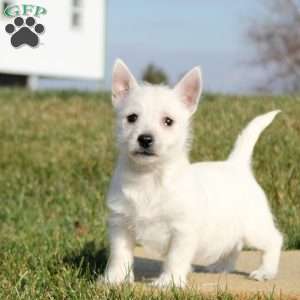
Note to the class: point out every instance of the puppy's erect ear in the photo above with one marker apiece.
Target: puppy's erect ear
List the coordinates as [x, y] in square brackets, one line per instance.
[122, 82]
[189, 88]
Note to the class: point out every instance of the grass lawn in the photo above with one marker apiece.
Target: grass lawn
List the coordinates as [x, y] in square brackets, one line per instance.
[56, 158]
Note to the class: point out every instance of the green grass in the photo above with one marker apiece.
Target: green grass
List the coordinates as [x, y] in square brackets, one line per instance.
[56, 158]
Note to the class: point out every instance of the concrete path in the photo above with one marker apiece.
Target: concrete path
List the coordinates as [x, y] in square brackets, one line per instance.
[287, 281]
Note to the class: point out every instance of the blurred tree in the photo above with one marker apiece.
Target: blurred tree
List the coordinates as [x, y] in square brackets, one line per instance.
[276, 36]
[155, 75]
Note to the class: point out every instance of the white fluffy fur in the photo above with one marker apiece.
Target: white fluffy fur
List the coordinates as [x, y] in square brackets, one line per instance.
[201, 213]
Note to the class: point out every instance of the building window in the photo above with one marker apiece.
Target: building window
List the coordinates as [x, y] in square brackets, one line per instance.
[77, 3]
[75, 20]
[76, 14]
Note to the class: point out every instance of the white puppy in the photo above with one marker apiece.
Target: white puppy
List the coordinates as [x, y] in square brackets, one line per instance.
[189, 213]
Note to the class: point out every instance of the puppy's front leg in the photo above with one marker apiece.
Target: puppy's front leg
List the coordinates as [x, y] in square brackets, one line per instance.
[178, 261]
[119, 267]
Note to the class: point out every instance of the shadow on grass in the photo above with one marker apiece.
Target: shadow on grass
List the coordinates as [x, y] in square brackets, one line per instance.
[201, 269]
[89, 262]
[146, 269]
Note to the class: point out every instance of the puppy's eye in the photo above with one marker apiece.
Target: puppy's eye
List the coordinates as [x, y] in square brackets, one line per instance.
[132, 118]
[168, 121]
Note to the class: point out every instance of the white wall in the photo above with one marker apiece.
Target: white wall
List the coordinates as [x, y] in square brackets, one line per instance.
[63, 51]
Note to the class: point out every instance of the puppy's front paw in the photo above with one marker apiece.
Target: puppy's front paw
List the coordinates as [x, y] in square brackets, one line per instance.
[261, 275]
[116, 276]
[168, 280]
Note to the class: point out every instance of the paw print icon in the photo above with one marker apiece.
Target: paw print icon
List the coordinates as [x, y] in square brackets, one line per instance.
[24, 32]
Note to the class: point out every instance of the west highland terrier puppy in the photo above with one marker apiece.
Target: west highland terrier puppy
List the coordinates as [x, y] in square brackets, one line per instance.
[200, 213]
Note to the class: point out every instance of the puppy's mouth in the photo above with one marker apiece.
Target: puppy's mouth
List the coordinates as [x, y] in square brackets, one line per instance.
[144, 153]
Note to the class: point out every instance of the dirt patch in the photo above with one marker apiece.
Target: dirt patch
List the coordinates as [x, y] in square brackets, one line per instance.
[287, 281]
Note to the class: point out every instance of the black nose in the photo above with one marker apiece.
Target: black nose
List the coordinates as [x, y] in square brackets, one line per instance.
[145, 140]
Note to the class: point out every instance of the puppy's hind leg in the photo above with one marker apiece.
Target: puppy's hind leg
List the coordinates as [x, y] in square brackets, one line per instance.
[270, 244]
[178, 261]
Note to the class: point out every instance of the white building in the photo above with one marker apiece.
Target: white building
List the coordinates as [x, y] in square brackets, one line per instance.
[71, 47]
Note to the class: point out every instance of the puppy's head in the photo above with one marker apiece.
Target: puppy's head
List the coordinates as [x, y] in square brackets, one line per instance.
[153, 121]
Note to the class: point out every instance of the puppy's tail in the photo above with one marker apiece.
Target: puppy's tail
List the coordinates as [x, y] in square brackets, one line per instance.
[244, 145]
